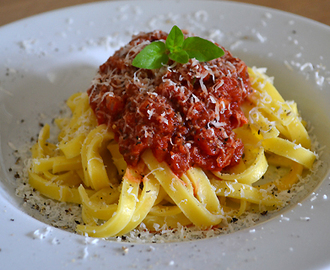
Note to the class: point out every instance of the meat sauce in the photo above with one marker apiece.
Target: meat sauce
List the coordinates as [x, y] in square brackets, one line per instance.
[185, 113]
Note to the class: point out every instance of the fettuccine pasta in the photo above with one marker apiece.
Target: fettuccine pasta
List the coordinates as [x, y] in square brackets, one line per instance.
[86, 167]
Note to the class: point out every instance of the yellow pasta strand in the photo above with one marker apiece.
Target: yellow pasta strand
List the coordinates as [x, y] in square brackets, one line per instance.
[87, 218]
[155, 223]
[188, 204]
[43, 136]
[124, 213]
[56, 164]
[204, 191]
[161, 196]
[249, 134]
[242, 208]
[93, 165]
[262, 123]
[43, 148]
[275, 106]
[72, 147]
[262, 82]
[287, 181]
[298, 133]
[290, 150]
[242, 191]
[252, 174]
[97, 208]
[74, 131]
[70, 178]
[165, 210]
[54, 191]
[117, 158]
[146, 200]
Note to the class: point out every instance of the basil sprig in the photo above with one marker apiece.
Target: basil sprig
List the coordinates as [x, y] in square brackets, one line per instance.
[177, 48]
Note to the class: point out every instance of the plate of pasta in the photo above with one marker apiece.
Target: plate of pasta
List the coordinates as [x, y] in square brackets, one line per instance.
[140, 134]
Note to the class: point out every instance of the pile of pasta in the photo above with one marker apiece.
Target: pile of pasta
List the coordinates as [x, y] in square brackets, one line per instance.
[86, 167]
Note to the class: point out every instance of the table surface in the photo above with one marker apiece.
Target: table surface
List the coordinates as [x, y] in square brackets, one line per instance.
[12, 10]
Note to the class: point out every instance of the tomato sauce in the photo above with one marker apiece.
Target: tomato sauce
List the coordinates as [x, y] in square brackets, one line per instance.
[185, 113]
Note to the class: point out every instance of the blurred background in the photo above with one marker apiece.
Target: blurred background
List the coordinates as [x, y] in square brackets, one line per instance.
[12, 10]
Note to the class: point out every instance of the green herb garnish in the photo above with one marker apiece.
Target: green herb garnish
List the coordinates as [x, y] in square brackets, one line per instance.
[177, 48]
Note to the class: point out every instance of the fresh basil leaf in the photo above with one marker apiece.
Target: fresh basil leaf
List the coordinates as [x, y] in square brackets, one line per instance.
[174, 39]
[177, 48]
[201, 49]
[181, 57]
[152, 56]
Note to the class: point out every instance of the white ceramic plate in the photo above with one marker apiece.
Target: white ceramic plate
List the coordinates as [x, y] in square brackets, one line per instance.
[46, 58]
